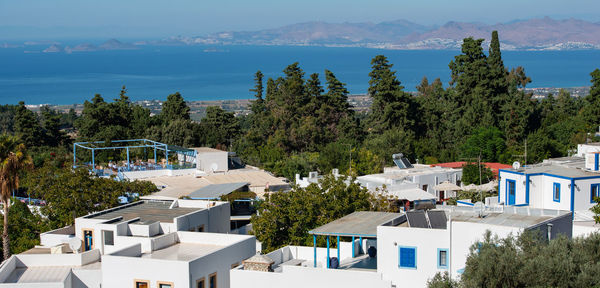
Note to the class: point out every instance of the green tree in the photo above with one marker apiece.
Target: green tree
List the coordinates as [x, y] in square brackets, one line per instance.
[591, 108]
[442, 280]
[219, 127]
[74, 193]
[24, 228]
[27, 126]
[471, 174]
[286, 218]
[487, 142]
[391, 107]
[175, 108]
[13, 161]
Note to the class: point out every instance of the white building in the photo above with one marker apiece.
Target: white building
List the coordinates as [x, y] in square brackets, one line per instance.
[420, 176]
[211, 160]
[411, 248]
[567, 183]
[143, 244]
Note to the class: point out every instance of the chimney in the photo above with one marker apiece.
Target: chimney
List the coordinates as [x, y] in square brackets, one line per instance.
[259, 263]
[592, 161]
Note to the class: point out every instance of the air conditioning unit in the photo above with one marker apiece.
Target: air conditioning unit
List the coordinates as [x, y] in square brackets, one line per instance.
[313, 175]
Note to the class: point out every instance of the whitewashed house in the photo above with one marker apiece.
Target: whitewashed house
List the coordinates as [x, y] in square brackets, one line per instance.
[410, 247]
[567, 183]
[146, 244]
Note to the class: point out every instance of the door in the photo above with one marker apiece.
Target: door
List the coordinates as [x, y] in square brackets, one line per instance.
[511, 191]
[88, 240]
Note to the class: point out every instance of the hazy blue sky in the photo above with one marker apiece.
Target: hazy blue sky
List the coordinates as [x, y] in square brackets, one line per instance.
[160, 18]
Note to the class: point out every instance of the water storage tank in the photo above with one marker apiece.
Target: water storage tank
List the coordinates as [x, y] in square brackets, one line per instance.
[334, 263]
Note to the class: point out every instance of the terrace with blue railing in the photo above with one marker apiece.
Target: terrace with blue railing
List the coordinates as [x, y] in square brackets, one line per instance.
[118, 157]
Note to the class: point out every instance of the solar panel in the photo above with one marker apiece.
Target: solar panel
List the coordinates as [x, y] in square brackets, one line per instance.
[437, 219]
[417, 219]
[401, 161]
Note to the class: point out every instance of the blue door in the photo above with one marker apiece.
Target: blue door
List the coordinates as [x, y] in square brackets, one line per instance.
[511, 191]
[88, 240]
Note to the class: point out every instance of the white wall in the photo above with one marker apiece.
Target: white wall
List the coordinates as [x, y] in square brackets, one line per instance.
[153, 270]
[520, 193]
[205, 161]
[222, 260]
[302, 277]
[582, 195]
[427, 242]
[133, 175]
[181, 273]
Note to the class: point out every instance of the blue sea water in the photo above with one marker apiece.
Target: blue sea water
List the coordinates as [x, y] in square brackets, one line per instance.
[226, 72]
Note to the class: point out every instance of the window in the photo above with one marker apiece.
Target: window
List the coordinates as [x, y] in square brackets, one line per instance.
[212, 280]
[594, 192]
[200, 283]
[108, 236]
[88, 239]
[160, 284]
[442, 256]
[141, 284]
[408, 257]
[425, 187]
[556, 192]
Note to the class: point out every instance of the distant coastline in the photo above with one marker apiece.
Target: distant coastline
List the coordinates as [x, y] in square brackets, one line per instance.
[360, 102]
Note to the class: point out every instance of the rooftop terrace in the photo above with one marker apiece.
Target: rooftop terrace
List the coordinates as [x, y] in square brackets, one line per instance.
[147, 211]
[555, 169]
[183, 252]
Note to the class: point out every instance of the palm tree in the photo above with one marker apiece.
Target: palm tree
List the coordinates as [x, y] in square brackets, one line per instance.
[12, 161]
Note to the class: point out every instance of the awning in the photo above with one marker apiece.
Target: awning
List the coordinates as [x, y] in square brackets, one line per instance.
[446, 186]
[361, 224]
[412, 194]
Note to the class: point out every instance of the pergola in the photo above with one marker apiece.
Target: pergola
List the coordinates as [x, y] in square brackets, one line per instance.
[361, 224]
[128, 144]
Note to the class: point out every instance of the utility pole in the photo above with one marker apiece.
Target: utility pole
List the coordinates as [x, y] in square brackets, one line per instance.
[524, 155]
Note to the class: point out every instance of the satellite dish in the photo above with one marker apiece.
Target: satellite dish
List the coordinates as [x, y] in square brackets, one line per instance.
[214, 167]
[516, 165]
[75, 244]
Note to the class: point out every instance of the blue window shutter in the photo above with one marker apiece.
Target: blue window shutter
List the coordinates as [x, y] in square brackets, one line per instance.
[408, 257]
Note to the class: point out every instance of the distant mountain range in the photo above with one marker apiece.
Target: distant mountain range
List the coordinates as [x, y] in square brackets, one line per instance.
[533, 34]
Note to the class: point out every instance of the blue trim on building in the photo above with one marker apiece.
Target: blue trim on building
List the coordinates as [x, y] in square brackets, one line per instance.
[439, 259]
[556, 185]
[521, 205]
[592, 196]
[548, 174]
[414, 249]
[596, 161]
[465, 203]
[572, 199]
[527, 189]
[507, 194]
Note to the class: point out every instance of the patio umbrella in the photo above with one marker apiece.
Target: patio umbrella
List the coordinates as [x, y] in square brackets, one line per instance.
[446, 186]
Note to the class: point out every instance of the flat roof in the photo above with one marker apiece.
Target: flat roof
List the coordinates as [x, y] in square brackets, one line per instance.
[147, 211]
[361, 223]
[558, 170]
[213, 191]
[43, 274]
[521, 217]
[207, 149]
[182, 252]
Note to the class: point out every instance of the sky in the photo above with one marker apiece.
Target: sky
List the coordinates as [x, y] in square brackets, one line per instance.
[87, 19]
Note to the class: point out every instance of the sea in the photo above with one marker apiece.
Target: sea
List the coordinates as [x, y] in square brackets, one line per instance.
[226, 72]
